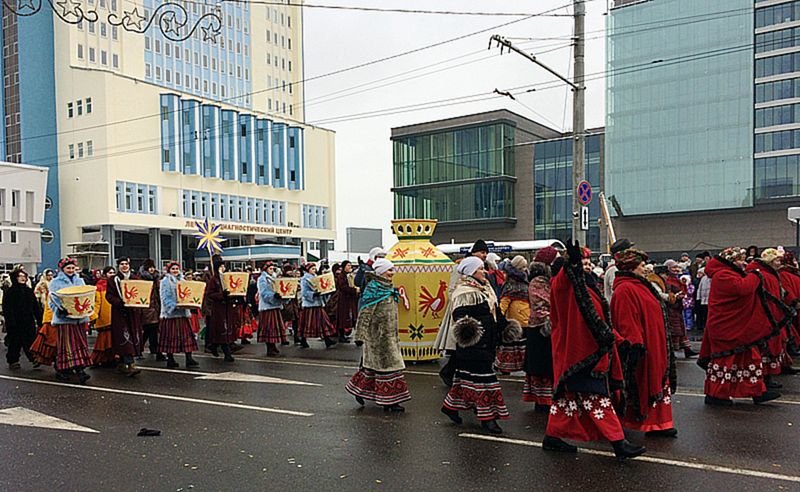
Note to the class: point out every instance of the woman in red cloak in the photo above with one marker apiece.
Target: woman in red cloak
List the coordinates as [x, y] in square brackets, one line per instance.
[585, 362]
[774, 355]
[738, 327]
[790, 279]
[647, 359]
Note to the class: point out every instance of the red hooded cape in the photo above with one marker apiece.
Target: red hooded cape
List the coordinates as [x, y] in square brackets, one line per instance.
[790, 279]
[640, 319]
[580, 334]
[773, 291]
[737, 318]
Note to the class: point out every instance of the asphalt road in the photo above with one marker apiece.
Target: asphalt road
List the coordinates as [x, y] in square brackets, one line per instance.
[223, 434]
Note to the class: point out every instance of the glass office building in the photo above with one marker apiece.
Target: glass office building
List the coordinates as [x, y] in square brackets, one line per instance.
[552, 167]
[680, 91]
[456, 175]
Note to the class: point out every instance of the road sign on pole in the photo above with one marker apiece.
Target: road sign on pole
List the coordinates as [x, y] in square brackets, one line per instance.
[584, 218]
[584, 191]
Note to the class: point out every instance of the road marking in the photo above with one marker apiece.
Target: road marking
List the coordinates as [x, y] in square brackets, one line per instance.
[25, 417]
[231, 376]
[648, 459]
[163, 397]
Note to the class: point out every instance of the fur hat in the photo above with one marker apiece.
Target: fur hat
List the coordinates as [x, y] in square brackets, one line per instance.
[621, 245]
[546, 255]
[519, 262]
[771, 254]
[630, 259]
[376, 252]
[480, 245]
[512, 332]
[467, 331]
[148, 263]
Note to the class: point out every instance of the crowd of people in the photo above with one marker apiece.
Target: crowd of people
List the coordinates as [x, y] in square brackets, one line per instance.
[597, 346]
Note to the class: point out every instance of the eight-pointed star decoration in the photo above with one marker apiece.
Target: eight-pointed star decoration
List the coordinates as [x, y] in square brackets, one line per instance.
[209, 33]
[170, 24]
[70, 7]
[133, 18]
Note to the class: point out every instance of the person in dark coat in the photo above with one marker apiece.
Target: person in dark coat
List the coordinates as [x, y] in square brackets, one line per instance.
[150, 315]
[23, 315]
[347, 307]
[126, 322]
[222, 328]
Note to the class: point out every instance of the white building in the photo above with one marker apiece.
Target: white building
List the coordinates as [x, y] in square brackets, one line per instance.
[22, 205]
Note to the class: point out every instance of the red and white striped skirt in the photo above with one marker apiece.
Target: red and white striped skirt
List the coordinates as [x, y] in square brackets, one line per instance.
[175, 336]
[72, 351]
[384, 388]
[314, 323]
[270, 326]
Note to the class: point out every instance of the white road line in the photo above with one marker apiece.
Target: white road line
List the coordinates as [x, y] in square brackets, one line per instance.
[232, 376]
[649, 459]
[162, 397]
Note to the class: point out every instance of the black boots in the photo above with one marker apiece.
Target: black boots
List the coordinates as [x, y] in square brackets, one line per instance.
[718, 402]
[623, 449]
[688, 353]
[766, 396]
[171, 363]
[82, 376]
[491, 426]
[360, 400]
[397, 408]
[329, 342]
[453, 415]
[771, 383]
[272, 350]
[226, 349]
[555, 444]
[304, 343]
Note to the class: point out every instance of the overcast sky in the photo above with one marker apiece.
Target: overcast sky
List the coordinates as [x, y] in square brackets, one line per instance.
[336, 39]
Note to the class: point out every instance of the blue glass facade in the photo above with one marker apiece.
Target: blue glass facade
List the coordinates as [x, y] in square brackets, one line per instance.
[679, 126]
[219, 71]
[203, 139]
[552, 201]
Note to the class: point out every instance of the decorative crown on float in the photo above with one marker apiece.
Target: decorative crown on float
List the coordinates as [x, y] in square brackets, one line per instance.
[415, 245]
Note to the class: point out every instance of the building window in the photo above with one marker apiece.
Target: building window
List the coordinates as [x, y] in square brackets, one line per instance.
[89, 148]
[158, 46]
[147, 43]
[91, 53]
[118, 190]
[71, 151]
[151, 200]
[91, 27]
[80, 150]
[13, 236]
[158, 72]
[115, 60]
[103, 57]
[88, 105]
[114, 33]
[147, 70]
[140, 199]
[69, 110]
[103, 29]
[80, 52]
[168, 49]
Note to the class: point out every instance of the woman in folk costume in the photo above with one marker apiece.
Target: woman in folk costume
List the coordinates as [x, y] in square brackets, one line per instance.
[648, 362]
[738, 326]
[585, 363]
[347, 307]
[150, 314]
[677, 292]
[314, 322]
[222, 329]
[538, 387]
[478, 327]
[72, 352]
[175, 331]
[126, 322]
[514, 304]
[102, 352]
[44, 345]
[790, 279]
[380, 375]
[291, 307]
[23, 315]
[779, 316]
[270, 322]
[42, 289]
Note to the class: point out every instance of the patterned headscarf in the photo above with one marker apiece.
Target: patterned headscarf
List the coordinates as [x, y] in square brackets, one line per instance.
[67, 261]
[630, 258]
[733, 253]
[771, 254]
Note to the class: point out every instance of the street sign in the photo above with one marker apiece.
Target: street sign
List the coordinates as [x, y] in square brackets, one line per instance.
[584, 218]
[584, 193]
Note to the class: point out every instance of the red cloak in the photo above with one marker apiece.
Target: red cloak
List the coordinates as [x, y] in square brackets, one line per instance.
[773, 294]
[737, 319]
[641, 321]
[790, 279]
[580, 334]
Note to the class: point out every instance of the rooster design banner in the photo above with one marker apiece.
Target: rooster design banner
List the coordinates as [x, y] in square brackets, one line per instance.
[235, 283]
[286, 287]
[136, 293]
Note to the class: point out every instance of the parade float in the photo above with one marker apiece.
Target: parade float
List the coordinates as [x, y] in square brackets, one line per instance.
[422, 275]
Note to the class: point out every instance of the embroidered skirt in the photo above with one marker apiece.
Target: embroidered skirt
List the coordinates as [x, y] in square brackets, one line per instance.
[102, 352]
[44, 347]
[72, 350]
[270, 326]
[475, 387]
[659, 415]
[736, 376]
[314, 323]
[175, 336]
[583, 417]
[538, 389]
[384, 388]
[511, 356]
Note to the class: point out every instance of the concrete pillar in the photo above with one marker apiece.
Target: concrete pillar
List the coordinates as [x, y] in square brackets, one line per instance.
[107, 231]
[323, 249]
[154, 238]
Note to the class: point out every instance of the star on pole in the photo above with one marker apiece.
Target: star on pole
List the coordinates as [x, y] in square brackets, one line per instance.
[209, 33]
[209, 236]
[69, 7]
[134, 18]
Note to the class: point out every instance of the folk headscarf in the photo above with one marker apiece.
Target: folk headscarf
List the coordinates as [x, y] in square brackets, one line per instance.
[630, 258]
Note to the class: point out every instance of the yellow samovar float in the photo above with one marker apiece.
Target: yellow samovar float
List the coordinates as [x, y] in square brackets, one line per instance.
[422, 276]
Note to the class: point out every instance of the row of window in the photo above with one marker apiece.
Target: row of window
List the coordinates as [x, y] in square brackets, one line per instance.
[315, 217]
[83, 150]
[112, 4]
[169, 49]
[778, 115]
[186, 80]
[273, 59]
[286, 42]
[103, 56]
[774, 91]
[103, 29]
[137, 198]
[276, 17]
[783, 140]
[12, 236]
[76, 109]
[202, 205]
[777, 176]
[778, 14]
[471, 201]
[278, 107]
[776, 40]
[777, 65]
[199, 60]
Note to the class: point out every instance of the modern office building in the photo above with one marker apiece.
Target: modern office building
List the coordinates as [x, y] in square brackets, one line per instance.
[474, 174]
[144, 135]
[22, 209]
[702, 130]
